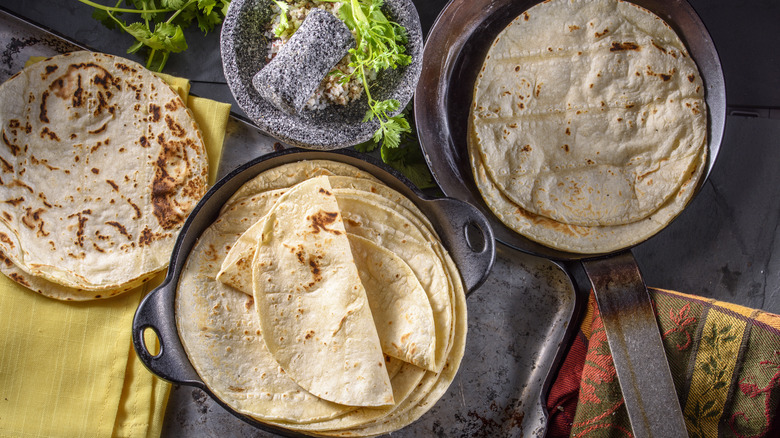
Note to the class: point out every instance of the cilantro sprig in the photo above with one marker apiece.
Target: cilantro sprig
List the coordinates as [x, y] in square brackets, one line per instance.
[379, 44]
[284, 22]
[407, 157]
[158, 25]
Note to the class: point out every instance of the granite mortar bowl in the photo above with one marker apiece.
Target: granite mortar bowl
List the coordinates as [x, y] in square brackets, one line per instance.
[463, 230]
[244, 48]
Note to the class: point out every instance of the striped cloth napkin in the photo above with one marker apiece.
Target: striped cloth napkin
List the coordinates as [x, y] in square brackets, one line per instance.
[68, 369]
[724, 359]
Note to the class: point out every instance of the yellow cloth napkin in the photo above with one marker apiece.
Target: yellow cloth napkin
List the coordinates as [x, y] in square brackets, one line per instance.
[68, 369]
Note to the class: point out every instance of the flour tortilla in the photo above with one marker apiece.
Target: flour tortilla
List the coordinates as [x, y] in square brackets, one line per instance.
[221, 334]
[399, 304]
[413, 387]
[577, 238]
[60, 292]
[589, 112]
[313, 307]
[379, 214]
[100, 165]
[287, 175]
[252, 206]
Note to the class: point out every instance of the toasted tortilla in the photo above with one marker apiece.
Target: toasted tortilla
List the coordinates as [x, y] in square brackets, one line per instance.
[129, 164]
[220, 331]
[221, 334]
[578, 238]
[60, 292]
[588, 113]
[414, 243]
[313, 307]
[399, 304]
[389, 220]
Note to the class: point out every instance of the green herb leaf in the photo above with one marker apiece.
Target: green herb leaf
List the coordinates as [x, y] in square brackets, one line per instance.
[207, 23]
[173, 4]
[141, 32]
[407, 156]
[391, 131]
[379, 45]
[284, 21]
[168, 18]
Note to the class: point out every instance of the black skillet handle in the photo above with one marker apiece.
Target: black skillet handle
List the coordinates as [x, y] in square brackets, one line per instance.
[156, 312]
[637, 350]
[468, 237]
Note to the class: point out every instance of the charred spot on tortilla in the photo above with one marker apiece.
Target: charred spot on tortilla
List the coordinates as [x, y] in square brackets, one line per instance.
[321, 220]
[154, 110]
[617, 47]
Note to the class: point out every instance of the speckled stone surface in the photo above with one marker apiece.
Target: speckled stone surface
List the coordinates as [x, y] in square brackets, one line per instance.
[243, 49]
[319, 44]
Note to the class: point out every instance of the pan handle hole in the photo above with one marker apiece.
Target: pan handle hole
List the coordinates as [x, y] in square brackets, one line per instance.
[475, 237]
[151, 341]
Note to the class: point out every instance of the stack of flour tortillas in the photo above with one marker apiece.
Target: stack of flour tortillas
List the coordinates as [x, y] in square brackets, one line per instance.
[321, 300]
[101, 163]
[588, 126]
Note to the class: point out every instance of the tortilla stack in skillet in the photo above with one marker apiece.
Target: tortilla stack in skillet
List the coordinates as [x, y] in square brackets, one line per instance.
[374, 217]
[588, 126]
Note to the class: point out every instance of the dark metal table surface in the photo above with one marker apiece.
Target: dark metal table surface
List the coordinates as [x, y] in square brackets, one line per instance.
[725, 245]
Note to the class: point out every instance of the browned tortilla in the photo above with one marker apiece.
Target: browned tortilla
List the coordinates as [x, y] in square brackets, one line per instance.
[100, 164]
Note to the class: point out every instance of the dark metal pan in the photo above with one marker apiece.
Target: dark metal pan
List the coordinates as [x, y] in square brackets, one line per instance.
[453, 54]
[463, 229]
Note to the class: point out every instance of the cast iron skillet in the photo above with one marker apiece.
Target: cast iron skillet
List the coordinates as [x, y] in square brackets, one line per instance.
[453, 54]
[463, 229]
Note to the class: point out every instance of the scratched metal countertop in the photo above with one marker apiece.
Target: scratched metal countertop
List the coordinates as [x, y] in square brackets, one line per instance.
[725, 245]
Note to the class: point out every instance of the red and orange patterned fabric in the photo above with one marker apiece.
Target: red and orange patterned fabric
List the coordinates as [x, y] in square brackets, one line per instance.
[725, 362]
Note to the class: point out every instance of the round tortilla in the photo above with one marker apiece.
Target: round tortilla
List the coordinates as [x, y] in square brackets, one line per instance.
[578, 238]
[312, 304]
[58, 291]
[589, 113]
[287, 175]
[129, 164]
[221, 334]
[375, 206]
[372, 210]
